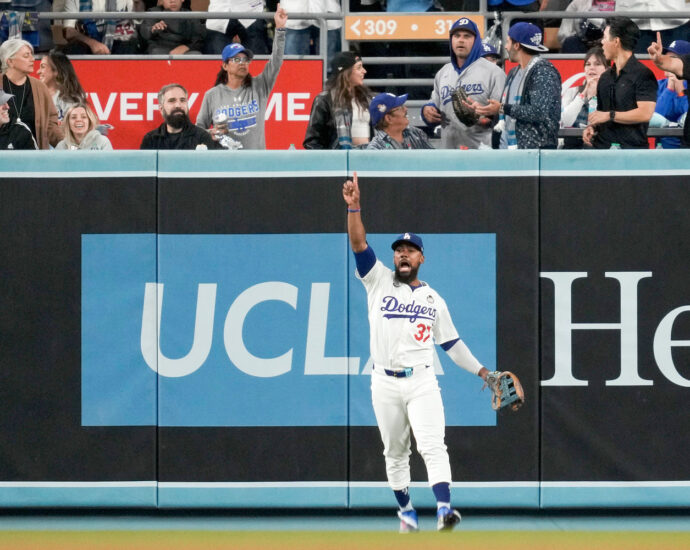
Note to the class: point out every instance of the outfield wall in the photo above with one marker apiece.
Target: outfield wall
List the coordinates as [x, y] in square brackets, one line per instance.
[185, 329]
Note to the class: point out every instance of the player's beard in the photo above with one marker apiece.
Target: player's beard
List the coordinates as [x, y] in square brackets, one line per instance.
[408, 277]
[176, 119]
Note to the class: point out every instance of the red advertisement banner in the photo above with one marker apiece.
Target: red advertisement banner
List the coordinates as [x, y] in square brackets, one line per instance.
[124, 93]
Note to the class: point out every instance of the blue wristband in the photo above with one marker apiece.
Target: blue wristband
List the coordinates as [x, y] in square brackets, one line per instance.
[354, 209]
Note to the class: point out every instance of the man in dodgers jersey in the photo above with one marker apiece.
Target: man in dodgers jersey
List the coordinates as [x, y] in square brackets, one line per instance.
[480, 78]
[406, 319]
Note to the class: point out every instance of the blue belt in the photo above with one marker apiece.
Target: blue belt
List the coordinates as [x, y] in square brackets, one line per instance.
[404, 373]
[400, 373]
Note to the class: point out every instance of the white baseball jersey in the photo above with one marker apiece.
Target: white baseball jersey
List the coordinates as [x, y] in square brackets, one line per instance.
[404, 323]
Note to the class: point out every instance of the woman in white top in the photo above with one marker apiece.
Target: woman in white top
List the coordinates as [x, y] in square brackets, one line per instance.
[80, 131]
[57, 73]
[577, 102]
[340, 114]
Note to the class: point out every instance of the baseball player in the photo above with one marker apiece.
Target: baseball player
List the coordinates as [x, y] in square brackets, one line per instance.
[406, 318]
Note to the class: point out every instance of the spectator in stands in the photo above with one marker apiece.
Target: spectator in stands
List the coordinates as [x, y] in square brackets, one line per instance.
[339, 116]
[57, 73]
[177, 131]
[552, 25]
[490, 54]
[252, 33]
[481, 80]
[35, 31]
[239, 98]
[671, 29]
[672, 100]
[580, 35]
[81, 132]
[578, 101]
[98, 36]
[679, 66]
[303, 34]
[389, 117]
[13, 134]
[31, 103]
[626, 93]
[172, 36]
[530, 107]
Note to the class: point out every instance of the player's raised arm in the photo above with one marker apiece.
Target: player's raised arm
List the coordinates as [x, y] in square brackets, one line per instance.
[355, 227]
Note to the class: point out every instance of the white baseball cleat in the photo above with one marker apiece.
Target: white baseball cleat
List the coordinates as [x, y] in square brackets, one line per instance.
[447, 518]
[408, 521]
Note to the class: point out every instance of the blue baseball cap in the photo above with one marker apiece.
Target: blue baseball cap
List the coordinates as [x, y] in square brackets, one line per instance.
[488, 49]
[232, 50]
[411, 238]
[528, 35]
[384, 103]
[678, 47]
[464, 24]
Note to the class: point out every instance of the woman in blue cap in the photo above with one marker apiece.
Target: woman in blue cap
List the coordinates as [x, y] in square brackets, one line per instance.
[238, 100]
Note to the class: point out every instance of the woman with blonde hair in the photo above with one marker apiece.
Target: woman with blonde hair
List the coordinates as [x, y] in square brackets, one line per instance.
[80, 131]
[339, 117]
[31, 104]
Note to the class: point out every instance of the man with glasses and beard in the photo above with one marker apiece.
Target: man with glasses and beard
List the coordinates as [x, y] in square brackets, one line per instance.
[177, 132]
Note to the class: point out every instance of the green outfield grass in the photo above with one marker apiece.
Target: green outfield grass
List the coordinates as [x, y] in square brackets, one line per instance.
[308, 540]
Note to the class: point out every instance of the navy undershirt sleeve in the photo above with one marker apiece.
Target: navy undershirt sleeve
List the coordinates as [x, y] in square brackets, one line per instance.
[447, 345]
[365, 260]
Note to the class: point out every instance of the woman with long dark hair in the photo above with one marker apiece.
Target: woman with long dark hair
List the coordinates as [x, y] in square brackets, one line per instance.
[577, 102]
[57, 73]
[339, 117]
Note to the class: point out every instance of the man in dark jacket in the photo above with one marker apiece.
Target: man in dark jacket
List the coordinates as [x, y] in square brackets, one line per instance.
[13, 134]
[530, 108]
[177, 132]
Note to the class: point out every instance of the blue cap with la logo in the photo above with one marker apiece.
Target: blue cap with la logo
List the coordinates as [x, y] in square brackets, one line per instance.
[411, 238]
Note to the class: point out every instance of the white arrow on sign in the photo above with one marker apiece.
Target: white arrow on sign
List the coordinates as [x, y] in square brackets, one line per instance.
[355, 27]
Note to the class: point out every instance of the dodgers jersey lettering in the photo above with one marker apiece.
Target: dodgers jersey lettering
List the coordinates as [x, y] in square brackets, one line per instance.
[404, 323]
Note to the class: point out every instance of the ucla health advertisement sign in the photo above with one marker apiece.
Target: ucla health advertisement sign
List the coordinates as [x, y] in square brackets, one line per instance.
[260, 330]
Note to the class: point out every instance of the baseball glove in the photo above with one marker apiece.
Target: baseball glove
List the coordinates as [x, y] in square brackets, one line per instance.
[506, 390]
[465, 115]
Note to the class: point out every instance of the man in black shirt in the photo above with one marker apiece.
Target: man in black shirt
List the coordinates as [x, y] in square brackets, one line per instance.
[626, 93]
[678, 65]
[177, 132]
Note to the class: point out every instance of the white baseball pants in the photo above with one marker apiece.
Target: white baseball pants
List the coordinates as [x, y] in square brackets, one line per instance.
[413, 402]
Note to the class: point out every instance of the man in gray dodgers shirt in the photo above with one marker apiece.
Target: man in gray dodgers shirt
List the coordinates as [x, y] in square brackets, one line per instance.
[241, 97]
[481, 79]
